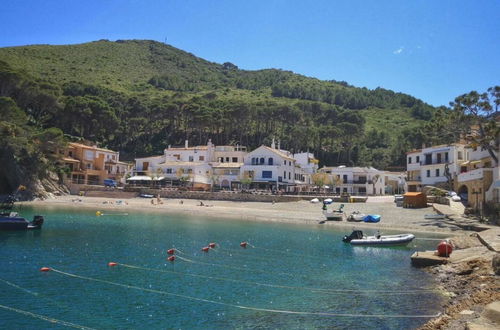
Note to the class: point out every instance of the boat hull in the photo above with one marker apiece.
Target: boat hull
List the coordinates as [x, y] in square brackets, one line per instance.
[19, 223]
[389, 240]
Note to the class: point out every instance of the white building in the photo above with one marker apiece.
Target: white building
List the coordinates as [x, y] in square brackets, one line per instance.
[269, 168]
[199, 166]
[427, 166]
[355, 180]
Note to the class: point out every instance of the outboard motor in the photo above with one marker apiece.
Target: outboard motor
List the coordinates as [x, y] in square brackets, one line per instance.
[37, 221]
[356, 234]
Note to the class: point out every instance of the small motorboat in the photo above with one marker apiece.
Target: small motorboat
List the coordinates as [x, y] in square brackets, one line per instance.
[10, 220]
[13, 221]
[357, 238]
[356, 216]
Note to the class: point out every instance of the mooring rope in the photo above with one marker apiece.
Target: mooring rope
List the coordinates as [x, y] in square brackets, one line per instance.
[39, 295]
[237, 268]
[46, 318]
[242, 306]
[331, 291]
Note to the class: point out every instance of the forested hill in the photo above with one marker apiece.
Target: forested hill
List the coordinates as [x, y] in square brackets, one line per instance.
[140, 96]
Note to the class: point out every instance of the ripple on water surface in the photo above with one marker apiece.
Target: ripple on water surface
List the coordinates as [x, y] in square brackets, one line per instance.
[294, 268]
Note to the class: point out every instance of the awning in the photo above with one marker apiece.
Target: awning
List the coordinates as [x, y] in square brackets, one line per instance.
[139, 178]
[159, 178]
[475, 162]
[465, 163]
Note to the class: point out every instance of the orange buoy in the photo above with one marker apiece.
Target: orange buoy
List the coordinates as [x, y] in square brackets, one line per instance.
[171, 258]
[243, 244]
[211, 245]
[205, 249]
[444, 249]
[112, 264]
[44, 269]
[171, 251]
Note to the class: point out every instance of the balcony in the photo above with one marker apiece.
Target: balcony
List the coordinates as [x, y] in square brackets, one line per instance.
[472, 175]
[435, 162]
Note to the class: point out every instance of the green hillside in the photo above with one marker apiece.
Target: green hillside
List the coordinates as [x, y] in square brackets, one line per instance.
[139, 96]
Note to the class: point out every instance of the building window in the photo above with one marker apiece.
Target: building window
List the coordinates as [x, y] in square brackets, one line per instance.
[284, 162]
[428, 173]
[267, 174]
[289, 175]
[227, 159]
[437, 171]
[262, 160]
[190, 170]
[417, 160]
[270, 161]
[191, 158]
[201, 158]
[460, 155]
[168, 171]
[253, 160]
[235, 159]
[344, 178]
[409, 160]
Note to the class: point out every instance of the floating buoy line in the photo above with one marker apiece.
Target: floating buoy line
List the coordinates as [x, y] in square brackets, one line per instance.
[46, 318]
[100, 214]
[328, 291]
[246, 269]
[241, 306]
[39, 295]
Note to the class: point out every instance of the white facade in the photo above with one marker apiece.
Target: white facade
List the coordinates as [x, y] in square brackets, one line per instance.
[356, 180]
[426, 167]
[196, 164]
[270, 167]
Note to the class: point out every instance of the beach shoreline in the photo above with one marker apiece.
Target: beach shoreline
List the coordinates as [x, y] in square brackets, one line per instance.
[301, 212]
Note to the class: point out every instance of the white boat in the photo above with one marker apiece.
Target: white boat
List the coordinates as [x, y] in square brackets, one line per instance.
[356, 216]
[334, 215]
[357, 238]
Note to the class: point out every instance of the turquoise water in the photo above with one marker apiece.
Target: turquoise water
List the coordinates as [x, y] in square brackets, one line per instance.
[203, 290]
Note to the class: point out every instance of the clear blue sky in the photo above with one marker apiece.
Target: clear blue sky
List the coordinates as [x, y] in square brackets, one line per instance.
[434, 50]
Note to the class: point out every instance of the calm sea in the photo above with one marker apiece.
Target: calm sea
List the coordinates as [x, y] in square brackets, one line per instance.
[289, 276]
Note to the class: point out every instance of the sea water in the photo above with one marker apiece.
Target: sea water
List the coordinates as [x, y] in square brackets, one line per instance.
[289, 276]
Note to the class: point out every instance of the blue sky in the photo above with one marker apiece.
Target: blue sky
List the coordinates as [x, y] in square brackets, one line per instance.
[434, 50]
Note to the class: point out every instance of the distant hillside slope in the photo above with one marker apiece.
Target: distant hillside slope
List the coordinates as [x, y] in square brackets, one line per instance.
[138, 96]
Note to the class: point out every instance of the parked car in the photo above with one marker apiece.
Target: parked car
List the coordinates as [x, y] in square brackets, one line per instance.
[110, 183]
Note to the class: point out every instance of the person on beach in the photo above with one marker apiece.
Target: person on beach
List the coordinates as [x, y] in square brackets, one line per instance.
[158, 199]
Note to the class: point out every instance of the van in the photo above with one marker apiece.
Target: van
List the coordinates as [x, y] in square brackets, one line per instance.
[110, 183]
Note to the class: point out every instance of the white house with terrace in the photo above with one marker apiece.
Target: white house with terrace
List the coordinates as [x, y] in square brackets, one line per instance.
[355, 180]
[429, 166]
[199, 166]
[269, 168]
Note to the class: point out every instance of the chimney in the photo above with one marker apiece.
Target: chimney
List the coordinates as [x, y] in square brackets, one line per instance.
[186, 144]
[273, 145]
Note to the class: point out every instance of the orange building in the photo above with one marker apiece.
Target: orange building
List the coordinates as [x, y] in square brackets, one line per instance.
[92, 165]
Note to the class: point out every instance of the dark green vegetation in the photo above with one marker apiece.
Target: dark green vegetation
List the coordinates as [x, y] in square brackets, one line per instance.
[140, 96]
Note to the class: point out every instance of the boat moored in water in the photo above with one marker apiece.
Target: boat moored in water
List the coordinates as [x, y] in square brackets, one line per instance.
[10, 220]
[357, 238]
[13, 221]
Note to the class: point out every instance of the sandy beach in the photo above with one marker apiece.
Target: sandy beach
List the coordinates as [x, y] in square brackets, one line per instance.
[301, 212]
